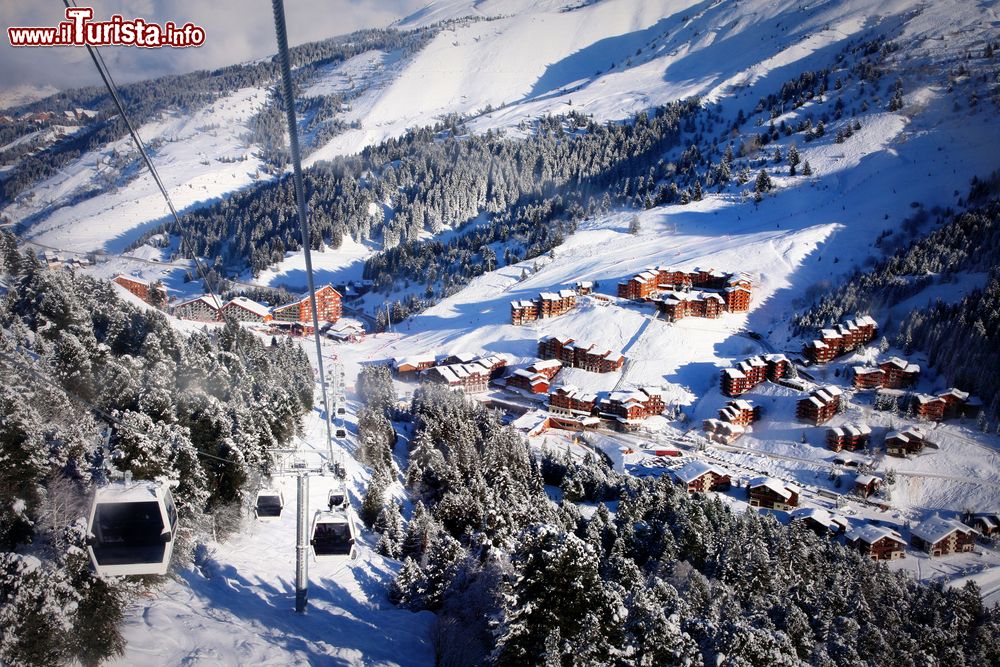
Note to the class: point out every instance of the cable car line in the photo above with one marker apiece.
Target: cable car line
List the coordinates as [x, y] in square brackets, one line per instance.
[109, 83]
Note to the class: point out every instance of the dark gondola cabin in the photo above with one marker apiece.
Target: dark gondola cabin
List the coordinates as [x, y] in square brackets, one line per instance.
[132, 529]
[333, 536]
[269, 504]
[337, 498]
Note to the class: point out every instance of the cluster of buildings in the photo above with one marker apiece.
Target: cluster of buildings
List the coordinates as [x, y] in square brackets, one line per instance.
[675, 296]
[841, 339]
[466, 371]
[894, 373]
[58, 261]
[208, 308]
[548, 304]
[820, 405]
[747, 374]
[536, 378]
[936, 536]
[624, 409]
[951, 404]
[851, 436]
[906, 442]
[574, 354]
[733, 421]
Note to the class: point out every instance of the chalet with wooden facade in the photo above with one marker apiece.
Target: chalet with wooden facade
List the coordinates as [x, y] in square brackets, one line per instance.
[939, 536]
[820, 405]
[569, 400]
[987, 523]
[899, 373]
[329, 307]
[574, 354]
[523, 311]
[678, 305]
[820, 521]
[525, 380]
[876, 542]
[850, 436]
[548, 304]
[866, 485]
[750, 372]
[867, 377]
[584, 287]
[410, 367]
[243, 309]
[630, 407]
[723, 432]
[841, 339]
[906, 442]
[770, 493]
[205, 308]
[740, 411]
[700, 477]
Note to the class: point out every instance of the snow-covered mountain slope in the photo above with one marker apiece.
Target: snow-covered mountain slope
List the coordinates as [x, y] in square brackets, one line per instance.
[614, 58]
[607, 59]
[199, 156]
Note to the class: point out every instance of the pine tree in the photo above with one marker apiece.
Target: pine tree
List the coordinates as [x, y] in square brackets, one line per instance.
[806, 169]
[763, 183]
[389, 525]
[634, 225]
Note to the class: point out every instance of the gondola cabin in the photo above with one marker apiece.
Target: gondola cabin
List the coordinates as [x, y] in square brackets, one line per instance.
[269, 504]
[341, 432]
[333, 535]
[132, 529]
[337, 498]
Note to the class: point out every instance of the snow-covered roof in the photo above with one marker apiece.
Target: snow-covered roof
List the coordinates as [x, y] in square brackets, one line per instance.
[832, 522]
[865, 480]
[585, 283]
[870, 534]
[936, 528]
[522, 303]
[549, 296]
[247, 304]
[414, 361]
[733, 373]
[776, 358]
[924, 399]
[901, 364]
[692, 470]
[530, 421]
[208, 299]
[741, 404]
[464, 357]
[781, 488]
[546, 363]
[956, 393]
[566, 293]
[866, 320]
[866, 370]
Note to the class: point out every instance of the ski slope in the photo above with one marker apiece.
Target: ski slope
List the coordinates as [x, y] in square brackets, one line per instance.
[235, 606]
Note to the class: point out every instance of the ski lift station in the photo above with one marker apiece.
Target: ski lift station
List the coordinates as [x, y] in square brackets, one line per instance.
[132, 529]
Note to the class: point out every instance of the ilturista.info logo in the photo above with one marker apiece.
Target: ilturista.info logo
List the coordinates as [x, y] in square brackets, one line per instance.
[79, 29]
